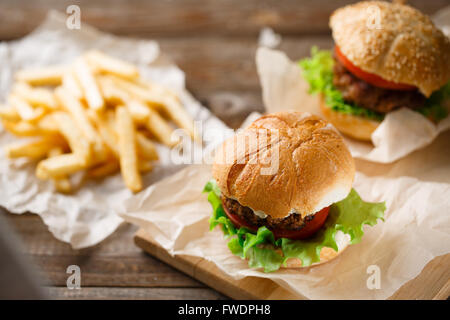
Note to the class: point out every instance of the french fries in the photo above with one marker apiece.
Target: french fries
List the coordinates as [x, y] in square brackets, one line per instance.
[27, 129]
[59, 166]
[167, 102]
[176, 112]
[77, 111]
[88, 84]
[111, 65]
[62, 184]
[160, 129]
[127, 149]
[79, 145]
[111, 93]
[119, 91]
[71, 84]
[47, 124]
[139, 111]
[9, 114]
[46, 76]
[95, 116]
[105, 130]
[36, 149]
[73, 106]
[145, 147]
[24, 109]
[35, 96]
[145, 166]
[104, 170]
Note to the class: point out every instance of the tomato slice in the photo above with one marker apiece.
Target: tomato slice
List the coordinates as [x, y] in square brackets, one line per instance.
[371, 78]
[307, 231]
[238, 221]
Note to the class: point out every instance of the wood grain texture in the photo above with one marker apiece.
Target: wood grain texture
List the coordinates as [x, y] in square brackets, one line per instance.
[431, 283]
[221, 71]
[217, 63]
[208, 273]
[444, 293]
[185, 17]
[103, 293]
[116, 262]
[114, 271]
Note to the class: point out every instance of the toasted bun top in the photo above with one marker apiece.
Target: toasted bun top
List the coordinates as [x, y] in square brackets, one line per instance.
[285, 162]
[394, 41]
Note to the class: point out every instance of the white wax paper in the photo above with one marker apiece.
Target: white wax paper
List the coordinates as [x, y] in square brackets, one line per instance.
[90, 215]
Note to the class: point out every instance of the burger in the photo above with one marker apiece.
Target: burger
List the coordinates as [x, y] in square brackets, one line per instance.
[282, 193]
[386, 56]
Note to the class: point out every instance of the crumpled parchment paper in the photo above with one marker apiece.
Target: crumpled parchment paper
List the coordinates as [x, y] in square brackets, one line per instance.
[90, 215]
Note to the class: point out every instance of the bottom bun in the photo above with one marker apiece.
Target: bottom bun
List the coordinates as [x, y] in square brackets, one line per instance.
[350, 125]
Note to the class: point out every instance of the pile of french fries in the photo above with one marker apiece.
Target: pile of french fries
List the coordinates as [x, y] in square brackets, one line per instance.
[96, 116]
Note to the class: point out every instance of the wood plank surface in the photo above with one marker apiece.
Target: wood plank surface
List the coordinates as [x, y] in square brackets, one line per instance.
[185, 17]
[206, 272]
[109, 293]
[431, 283]
[221, 72]
[115, 262]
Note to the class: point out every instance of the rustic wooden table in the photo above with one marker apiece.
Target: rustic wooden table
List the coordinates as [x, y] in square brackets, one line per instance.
[214, 42]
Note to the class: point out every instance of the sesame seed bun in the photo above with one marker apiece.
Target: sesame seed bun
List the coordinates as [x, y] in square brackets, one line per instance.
[312, 167]
[355, 127]
[395, 42]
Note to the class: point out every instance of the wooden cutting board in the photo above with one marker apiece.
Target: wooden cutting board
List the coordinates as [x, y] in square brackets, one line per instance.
[432, 283]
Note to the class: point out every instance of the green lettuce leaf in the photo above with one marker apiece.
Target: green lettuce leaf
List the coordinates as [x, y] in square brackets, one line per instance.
[318, 72]
[434, 108]
[218, 217]
[262, 249]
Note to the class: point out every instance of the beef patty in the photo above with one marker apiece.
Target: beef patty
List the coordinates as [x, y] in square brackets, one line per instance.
[292, 222]
[365, 95]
